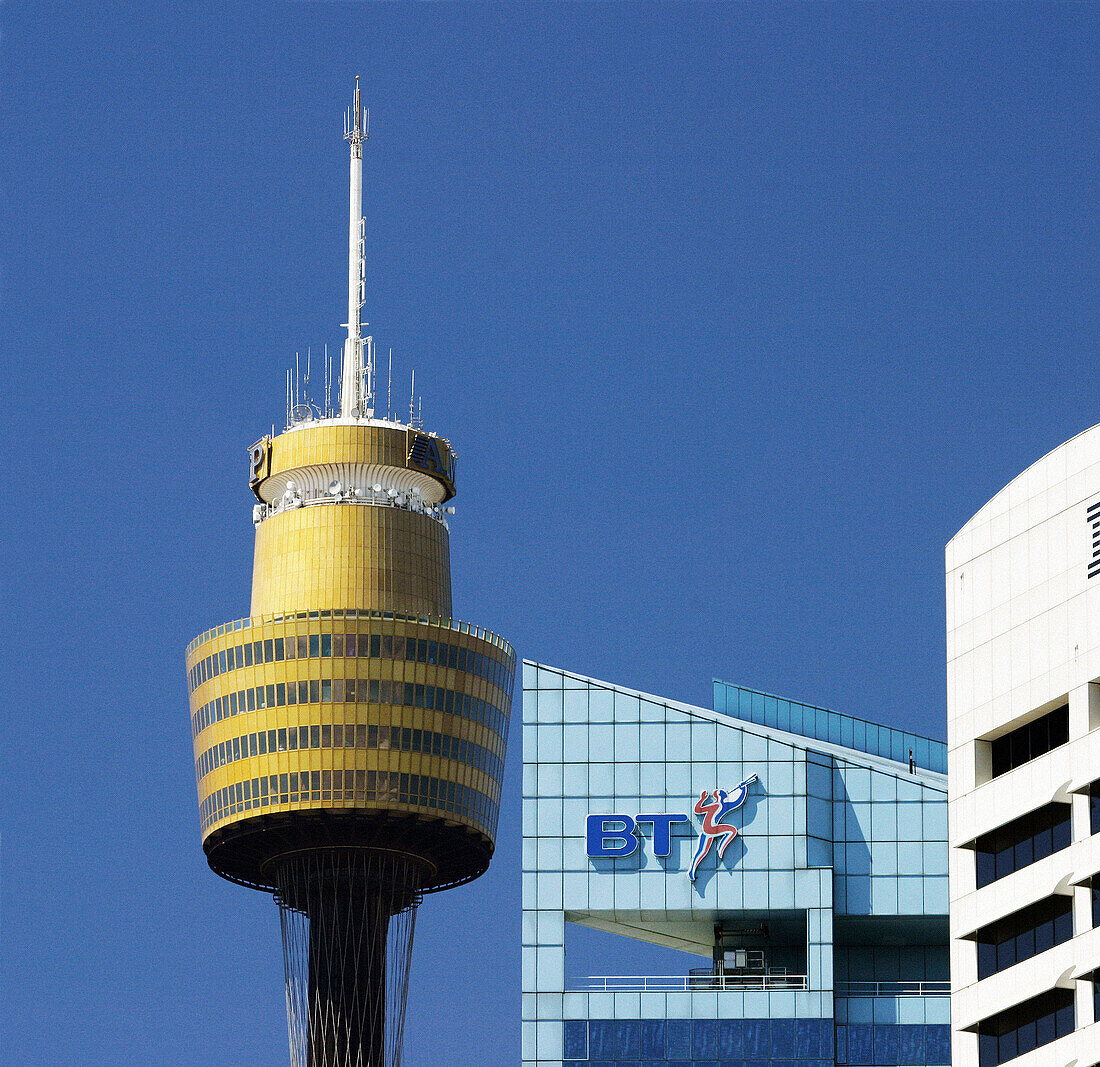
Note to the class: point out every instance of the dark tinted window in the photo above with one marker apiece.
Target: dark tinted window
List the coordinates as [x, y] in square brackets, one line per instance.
[1025, 1026]
[1023, 841]
[1031, 740]
[1024, 934]
[1094, 807]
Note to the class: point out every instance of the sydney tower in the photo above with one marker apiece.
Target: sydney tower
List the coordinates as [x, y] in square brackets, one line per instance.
[350, 733]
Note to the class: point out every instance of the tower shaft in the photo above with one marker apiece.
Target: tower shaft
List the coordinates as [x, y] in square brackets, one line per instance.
[350, 976]
[347, 1002]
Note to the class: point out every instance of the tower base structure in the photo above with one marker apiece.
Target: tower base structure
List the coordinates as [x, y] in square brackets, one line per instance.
[347, 917]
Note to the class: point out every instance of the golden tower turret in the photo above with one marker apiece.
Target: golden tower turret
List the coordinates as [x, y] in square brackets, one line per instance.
[349, 734]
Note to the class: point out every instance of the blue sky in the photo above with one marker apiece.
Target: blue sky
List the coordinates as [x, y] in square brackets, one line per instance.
[733, 313]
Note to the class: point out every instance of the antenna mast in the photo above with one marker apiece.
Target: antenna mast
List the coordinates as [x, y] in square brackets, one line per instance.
[356, 394]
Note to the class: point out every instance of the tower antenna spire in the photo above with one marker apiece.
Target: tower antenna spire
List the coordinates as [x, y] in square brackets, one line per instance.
[356, 380]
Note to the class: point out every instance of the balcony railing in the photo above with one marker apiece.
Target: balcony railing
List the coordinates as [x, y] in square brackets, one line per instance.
[352, 613]
[671, 983]
[740, 983]
[902, 988]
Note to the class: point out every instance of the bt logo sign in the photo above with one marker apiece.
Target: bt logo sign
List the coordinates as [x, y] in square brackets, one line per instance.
[614, 835]
[617, 835]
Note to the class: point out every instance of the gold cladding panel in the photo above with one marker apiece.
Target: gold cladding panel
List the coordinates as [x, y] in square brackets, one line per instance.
[314, 445]
[325, 443]
[385, 763]
[356, 555]
[387, 769]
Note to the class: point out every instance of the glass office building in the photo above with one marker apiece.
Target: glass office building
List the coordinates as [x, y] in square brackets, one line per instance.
[799, 855]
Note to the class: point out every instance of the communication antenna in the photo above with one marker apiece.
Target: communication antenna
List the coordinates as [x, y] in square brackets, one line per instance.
[328, 385]
[389, 389]
[352, 404]
[412, 400]
[297, 411]
[368, 405]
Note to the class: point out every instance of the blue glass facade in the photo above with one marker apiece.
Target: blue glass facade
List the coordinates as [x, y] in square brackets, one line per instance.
[821, 930]
[824, 725]
[754, 1043]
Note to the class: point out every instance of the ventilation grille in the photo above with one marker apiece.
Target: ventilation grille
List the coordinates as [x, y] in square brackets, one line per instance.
[1092, 517]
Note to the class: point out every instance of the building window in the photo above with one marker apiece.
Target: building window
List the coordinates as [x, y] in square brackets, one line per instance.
[1094, 807]
[352, 786]
[1023, 934]
[352, 736]
[1094, 892]
[1030, 741]
[1023, 841]
[374, 646]
[1025, 1027]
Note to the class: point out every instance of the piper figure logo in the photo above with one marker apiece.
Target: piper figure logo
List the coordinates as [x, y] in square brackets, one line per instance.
[713, 811]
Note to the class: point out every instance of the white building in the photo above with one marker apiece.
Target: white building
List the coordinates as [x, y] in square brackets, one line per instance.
[1023, 699]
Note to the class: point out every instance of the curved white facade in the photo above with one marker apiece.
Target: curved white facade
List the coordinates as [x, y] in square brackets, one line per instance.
[1023, 698]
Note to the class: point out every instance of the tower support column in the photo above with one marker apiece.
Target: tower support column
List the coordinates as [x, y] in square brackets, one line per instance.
[346, 977]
